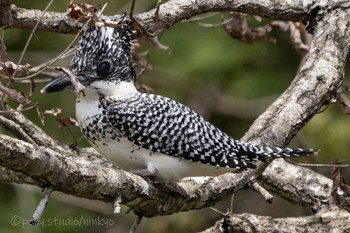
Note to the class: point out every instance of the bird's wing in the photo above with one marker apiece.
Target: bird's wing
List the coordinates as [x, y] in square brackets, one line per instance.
[162, 125]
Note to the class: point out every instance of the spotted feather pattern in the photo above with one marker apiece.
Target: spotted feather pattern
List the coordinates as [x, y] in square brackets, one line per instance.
[140, 128]
[98, 44]
[160, 124]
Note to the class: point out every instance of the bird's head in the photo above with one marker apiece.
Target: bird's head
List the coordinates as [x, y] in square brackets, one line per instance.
[103, 53]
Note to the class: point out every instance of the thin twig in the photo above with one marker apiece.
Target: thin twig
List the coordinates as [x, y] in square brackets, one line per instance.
[69, 51]
[262, 191]
[295, 36]
[19, 109]
[159, 45]
[156, 13]
[231, 203]
[42, 204]
[317, 165]
[128, 210]
[208, 25]
[218, 211]
[78, 87]
[201, 18]
[65, 52]
[15, 128]
[344, 160]
[131, 13]
[30, 38]
[52, 61]
[136, 224]
[116, 205]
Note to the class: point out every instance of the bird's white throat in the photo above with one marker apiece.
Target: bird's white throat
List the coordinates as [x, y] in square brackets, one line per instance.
[119, 91]
[88, 102]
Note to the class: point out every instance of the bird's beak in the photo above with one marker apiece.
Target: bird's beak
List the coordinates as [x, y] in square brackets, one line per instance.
[61, 83]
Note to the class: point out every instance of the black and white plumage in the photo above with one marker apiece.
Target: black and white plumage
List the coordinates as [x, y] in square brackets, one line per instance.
[147, 132]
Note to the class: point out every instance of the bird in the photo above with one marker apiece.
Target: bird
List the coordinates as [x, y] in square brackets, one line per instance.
[148, 134]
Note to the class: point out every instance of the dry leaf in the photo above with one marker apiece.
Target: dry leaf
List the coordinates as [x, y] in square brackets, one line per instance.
[54, 112]
[8, 68]
[66, 121]
[86, 13]
[239, 29]
[80, 12]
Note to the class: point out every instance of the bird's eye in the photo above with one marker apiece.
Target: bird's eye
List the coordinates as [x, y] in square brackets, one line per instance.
[103, 68]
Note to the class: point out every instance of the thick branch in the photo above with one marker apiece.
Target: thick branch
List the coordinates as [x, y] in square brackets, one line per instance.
[10, 176]
[26, 19]
[173, 12]
[314, 86]
[24, 129]
[298, 185]
[87, 175]
[330, 220]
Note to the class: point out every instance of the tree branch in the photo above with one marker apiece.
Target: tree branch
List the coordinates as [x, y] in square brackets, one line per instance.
[314, 86]
[174, 11]
[87, 175]
[330, 220]
[17, 17]
[83, 173]
[10, 176]
[298, 185]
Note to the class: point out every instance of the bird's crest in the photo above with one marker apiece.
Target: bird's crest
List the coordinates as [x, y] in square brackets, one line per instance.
[106, 50]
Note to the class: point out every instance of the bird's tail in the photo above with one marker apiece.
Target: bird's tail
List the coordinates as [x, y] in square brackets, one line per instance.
[277, 152]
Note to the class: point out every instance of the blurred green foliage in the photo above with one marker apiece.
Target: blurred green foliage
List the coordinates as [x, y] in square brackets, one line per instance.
[203, 61]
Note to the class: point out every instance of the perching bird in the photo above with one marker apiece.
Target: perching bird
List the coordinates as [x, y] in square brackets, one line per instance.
[150, 134]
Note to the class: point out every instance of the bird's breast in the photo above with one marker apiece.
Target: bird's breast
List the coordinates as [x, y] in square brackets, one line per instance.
[92, 121]
[87, 106]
